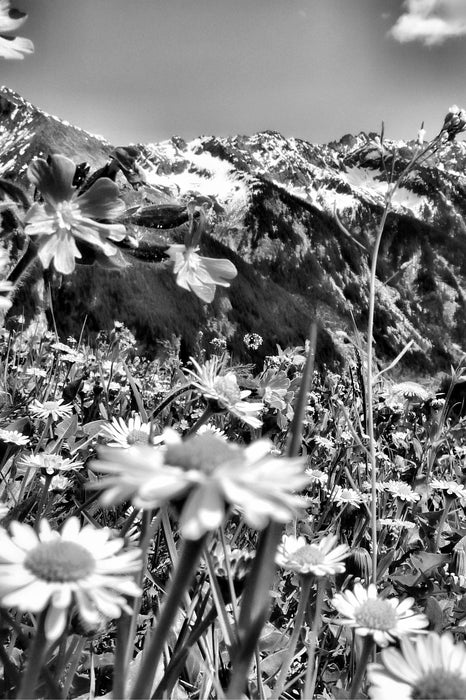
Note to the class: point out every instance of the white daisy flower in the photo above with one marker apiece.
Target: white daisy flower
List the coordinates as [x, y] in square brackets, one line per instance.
[383, 618]
[317, 476]
[426, 667]
[125, 434]
[53, 571]
[402, 490]
[51, 463]
[321, 558]
[13, 437]
[209, 473]
[343, 496]
[222, 391]
[55, 410]
[451, 488]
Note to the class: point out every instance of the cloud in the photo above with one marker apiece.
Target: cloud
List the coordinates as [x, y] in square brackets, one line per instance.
[431, 22]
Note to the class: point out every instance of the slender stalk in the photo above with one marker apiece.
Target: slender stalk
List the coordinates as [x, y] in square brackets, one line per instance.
[43, 499]
[305, 582]
[184, 572]
[35, 662]
[366, 651]
[311, 671]
[77, 650]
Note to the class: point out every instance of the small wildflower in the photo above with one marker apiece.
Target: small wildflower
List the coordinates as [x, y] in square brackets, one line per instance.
[125, 434]
[210, 474]
[198, 274]
[253, 341]
[450, 488]
[49, 462]
[396, 523]
[273, 388]
[66, 221]
[36, 372]
[10, 21]
[383, 618]
[55, 410]
[222, 389]
[14, 437]
[343, 496]
[316, 476]
[402, 490]
[51, 570]
[426, 667]
[321, 558]
[455, 122]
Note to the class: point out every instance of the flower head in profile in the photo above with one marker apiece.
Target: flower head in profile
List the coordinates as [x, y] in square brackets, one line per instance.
[54, 571]
[208, 474]
[455, 122]
[51, 409]
[11, 20]
[342, 496]
[383, 618]
[323, 558]
[426, 667]
[66, 221]
[50, 463]
[127, 433]
[13, 437]
[221, 389]
[402, 491]
[451, 489]
[198, 274]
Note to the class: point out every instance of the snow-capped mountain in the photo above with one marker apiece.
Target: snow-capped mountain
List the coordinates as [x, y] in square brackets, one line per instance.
[297, 219]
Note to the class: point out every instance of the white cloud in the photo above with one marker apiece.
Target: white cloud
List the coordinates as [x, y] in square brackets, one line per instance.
[431, 22]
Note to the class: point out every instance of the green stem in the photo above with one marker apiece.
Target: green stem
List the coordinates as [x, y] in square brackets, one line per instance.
[35, 661]
[366, 651]
[187, 564]
[311, 671]
[43, 499]
[306, 582]
[202, 420]
[448, 501]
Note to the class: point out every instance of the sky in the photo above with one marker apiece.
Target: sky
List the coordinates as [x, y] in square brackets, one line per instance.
[145, 70]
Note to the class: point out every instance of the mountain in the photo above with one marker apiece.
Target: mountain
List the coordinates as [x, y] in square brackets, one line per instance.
[275, 203]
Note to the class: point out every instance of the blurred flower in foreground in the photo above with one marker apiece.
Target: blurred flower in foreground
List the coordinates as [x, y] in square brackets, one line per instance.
[383, 618]
[53, 571]
[10, 21]
[427, 667]
[222, 391]
[198, 274]
[65, 219]
[321, 558]
[209, 473]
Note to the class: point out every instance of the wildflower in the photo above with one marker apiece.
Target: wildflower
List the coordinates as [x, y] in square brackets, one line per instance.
[451, 488]
[253, 341]
[406, 393]
[402, 490]
[125, 434]
[343, 496]
[426, 667]
[209, 473]
[36, 372]
[50, 463]
[51, 570]
[396, 523]
[198, 274]
[383, 618]
[455, 122]
[317, 476]
[273, 388]
[51, 409]
[222, 391]
[10, 21]
[13, 437]
[321, 558]
[66, 221]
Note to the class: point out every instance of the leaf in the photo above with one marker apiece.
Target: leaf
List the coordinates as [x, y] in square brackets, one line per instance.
[94, 427]
[67, 427]
[427, 562]
[434, 613]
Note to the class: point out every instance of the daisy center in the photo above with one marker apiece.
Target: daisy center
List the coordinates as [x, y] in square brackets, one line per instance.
[376, 614]
[137, 437]
[60, 561]
[309, 554]
[440, 684]
[203, 453]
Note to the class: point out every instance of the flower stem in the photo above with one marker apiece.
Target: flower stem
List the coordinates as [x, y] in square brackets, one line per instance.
[366, 651]
[43, 499]
[35, 661]
[311, 672]
[187, 564]
[298, 624]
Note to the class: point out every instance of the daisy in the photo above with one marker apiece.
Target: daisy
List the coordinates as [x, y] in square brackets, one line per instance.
[427, 667]
[210, 474]
[13, 436]
[383, 618]
[198, 274]
[125, 434]
[343, 496]
[53, 571]
[451, 488]
[10, 21]
[55, 410]
[65, 219]
[50, 463]
[321, 558]
[402, 490]
[222, 391]
[317, 476]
